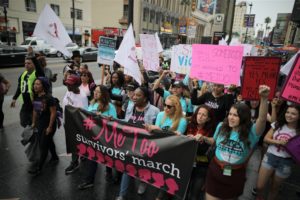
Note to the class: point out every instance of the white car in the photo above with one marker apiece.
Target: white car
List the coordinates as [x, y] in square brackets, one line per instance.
[51, 51]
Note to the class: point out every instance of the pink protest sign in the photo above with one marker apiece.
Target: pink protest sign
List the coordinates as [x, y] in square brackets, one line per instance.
[291, 89]
[150, 54]
[217, 64]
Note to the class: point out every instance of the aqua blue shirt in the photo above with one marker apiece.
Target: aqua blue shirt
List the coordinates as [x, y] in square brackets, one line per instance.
[111, 111]
[116, 91]
[168, 123]
[234, 151]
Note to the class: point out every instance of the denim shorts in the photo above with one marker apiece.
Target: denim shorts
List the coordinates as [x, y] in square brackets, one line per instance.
[282, 166]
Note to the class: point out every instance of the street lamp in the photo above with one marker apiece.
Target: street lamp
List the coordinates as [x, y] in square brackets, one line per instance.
[6, 23]
[246, 35]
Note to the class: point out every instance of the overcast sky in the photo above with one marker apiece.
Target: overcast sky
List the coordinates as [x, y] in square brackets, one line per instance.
[269, 8]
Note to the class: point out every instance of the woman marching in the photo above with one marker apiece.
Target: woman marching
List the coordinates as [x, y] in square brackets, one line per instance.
[44, 119]
[234, 140]
[202, 125]
[277, 159]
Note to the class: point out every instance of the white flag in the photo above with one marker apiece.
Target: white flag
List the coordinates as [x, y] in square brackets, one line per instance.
[158, 44]
[50, 28]
[288, 66]
[126, 56]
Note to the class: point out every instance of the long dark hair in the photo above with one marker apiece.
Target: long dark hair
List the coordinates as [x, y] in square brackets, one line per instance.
[282, 121]
[244, 114]
[120, 79]
[209, 125]
[104, 99]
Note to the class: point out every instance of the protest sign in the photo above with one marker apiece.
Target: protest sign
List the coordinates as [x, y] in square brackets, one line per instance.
[106, 50]
[291, 89]
[181, 61]
[150, 52]
[258, 71]
[216, 63]
[150, 157]
[158, 44]
[287, 67]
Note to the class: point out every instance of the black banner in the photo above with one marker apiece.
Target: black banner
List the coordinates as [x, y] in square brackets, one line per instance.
[159, 158]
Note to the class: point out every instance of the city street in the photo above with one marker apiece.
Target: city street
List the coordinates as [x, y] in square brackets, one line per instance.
[52, 183]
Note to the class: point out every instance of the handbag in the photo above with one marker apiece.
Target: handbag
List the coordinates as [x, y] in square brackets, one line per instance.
[293, 148]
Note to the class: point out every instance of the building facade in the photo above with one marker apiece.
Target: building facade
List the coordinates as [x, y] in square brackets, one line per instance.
[281, 28]
[239, 28]
[22, 16]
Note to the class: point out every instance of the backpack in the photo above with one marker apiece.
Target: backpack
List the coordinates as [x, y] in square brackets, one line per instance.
[293, 148]
[59, 111]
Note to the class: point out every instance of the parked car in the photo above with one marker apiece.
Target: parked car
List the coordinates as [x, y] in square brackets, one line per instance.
[51, 51]
[86, 53]
[12, 56]
[36, 44]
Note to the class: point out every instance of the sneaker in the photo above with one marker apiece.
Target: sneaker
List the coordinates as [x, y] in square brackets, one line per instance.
[85, 185]
[72, 168]
[142, 188]
[120, 198]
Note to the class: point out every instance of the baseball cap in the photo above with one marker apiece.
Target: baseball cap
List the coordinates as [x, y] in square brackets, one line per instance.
[73, 80]
[178, 84]
[132, 86]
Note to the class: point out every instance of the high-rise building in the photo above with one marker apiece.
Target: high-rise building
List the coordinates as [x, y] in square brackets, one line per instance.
[281, 28]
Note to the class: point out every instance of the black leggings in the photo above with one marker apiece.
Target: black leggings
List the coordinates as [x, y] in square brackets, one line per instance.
[196, 183]
[46, 144]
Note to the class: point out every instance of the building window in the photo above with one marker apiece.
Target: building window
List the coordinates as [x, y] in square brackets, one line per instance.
[4, 3]
[152, 16]
[125, 11]
[146, 14]
[157, 18]
[55, 8]
[78, 14]
[30, 5]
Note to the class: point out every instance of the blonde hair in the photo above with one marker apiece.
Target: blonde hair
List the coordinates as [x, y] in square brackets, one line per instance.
[177, 114]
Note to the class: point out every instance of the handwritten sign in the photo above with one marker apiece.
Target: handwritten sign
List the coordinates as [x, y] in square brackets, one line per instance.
[131, 149]
[291, 89]
[181, 61]
[150, 53]
[106, 50]
[258, 71]
[216, 64]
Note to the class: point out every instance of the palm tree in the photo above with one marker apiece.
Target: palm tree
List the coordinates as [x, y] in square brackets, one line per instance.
[267, 21]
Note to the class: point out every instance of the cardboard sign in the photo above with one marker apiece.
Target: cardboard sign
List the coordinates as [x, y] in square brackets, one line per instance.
[151, 157]
[291, 89]
[106, 50]
[258, 71]
[217, 64]
[181, 61]
[150, 52]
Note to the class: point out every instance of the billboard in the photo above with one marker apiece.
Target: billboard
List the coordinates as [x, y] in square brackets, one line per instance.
[206, 6]
[249, 20]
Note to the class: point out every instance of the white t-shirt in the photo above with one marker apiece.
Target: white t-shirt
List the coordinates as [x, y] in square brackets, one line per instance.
[283, 133]
[85, 89]
[76, 100]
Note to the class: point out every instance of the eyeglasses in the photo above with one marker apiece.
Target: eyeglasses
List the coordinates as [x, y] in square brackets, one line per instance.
[168, 106]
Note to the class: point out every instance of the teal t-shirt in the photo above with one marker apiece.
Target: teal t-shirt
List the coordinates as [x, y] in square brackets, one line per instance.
[116, 91]
[111, 111]
[168, 123]
[234, 151]
[186, 104]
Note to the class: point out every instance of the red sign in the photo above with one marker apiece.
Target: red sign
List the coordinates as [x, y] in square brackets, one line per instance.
[291, 89]
[259, 71]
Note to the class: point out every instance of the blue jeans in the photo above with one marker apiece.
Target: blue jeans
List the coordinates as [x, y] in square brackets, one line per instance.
[124, 184]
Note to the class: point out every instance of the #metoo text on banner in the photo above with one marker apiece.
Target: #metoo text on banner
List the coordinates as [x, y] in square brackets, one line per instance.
[217, 64]
[150, 157]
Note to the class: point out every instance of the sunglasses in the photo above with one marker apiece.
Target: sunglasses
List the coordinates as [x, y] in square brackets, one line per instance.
[168, 106]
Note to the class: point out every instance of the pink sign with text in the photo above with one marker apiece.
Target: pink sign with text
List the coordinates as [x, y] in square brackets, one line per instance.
[291, 89]
[217, 64]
